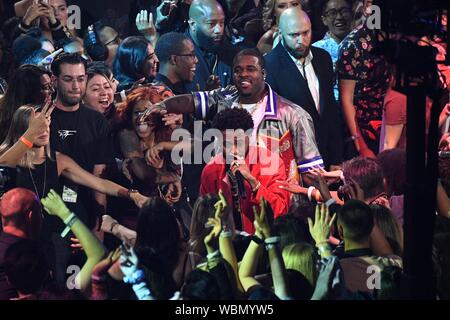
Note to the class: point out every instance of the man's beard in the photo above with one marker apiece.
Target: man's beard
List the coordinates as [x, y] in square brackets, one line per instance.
[69, 101]
[297, 54]
[206, 43]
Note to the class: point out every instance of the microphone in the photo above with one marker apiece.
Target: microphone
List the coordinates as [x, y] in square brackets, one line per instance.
[240, 183]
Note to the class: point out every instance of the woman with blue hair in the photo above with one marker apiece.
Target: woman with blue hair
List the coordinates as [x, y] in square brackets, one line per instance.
[135, 60]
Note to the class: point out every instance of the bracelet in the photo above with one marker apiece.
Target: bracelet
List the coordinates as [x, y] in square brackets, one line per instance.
[258, 185]
[137, 277]
[330, 202]
[310, 190]
[213, 255]
[26, 142]
[130, 191]
[257, 239]
[69, 222]
[226, 234]
[271, 242]
[323, 248]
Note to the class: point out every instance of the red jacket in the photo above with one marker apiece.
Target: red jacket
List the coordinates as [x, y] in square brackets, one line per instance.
[214, 178]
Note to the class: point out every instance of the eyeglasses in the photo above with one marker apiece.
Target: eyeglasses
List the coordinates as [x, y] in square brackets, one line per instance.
[344, 12]
[190, 55]
[116, 40]
[47, 87]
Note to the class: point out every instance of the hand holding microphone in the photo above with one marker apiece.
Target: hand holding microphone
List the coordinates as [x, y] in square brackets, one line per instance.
[242, 172]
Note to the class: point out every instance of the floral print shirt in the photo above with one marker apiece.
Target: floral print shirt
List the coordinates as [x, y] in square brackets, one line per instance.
[332, 47]
[357, 61]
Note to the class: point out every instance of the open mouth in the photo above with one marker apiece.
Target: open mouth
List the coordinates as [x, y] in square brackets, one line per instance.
[142, 128]
[245, 84]
[340, 25]
[104, 103]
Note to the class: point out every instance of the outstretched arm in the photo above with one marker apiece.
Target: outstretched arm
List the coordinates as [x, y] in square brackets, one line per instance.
[71, 170]
[93, 248]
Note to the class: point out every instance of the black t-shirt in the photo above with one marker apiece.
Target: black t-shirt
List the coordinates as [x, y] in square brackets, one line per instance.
[83, 135]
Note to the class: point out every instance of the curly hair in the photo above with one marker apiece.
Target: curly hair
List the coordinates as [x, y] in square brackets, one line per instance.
[233, 118]
[154, 94]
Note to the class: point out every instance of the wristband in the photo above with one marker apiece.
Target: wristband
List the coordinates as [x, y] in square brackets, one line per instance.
[213, 255]
[310, 190]
[226, 234]
[257, 239]
[330, 202]
[26, 142]
[69, 222]
[271, 242]
[323, 248]
[137, 277]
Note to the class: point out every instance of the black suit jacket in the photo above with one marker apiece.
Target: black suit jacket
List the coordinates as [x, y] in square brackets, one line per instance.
[285, 79]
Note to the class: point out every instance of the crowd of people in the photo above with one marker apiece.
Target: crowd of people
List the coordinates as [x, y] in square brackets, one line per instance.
[251, 150]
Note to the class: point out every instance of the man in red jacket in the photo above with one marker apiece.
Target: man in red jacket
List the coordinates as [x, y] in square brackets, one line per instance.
[259, 170]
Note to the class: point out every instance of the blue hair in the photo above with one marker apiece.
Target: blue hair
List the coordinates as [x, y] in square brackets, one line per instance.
[130, 60]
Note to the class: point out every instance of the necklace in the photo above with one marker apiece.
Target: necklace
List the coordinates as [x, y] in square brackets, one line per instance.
[45, 181]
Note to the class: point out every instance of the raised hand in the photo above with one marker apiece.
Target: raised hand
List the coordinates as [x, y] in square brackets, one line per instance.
[320, 228]
[213, 82]
[34, 11]
[145, 25]
[261, 221]
[165, 9]
[50, 13]
[40, 122]
[128, 260]
[222, 208]
[55, 206]
[211, 239]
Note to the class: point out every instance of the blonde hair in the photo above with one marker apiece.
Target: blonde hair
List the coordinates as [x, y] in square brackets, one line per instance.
[19, 125]
[301, 257]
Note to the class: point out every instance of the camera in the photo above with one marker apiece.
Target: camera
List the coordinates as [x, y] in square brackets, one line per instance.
[8, 179]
